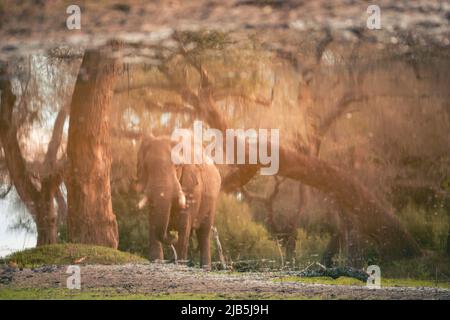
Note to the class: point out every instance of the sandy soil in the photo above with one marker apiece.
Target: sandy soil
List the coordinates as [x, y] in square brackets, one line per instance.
[169, 278]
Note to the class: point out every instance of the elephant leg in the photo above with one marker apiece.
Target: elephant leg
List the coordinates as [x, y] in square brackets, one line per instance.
[156, 251]
[184, 231]
[203, 234]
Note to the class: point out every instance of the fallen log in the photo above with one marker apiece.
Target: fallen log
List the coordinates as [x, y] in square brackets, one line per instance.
[335, 272]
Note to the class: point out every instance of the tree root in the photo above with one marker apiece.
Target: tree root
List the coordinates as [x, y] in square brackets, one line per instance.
[334, 273]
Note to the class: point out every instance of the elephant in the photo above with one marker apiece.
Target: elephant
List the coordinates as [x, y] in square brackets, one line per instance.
[181, 198]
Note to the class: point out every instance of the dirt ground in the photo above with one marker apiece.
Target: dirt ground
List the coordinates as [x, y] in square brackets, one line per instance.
[173, 279]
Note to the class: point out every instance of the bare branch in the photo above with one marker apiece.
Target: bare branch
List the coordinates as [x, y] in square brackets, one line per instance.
[173, 107]
[223, 94]
[267, 200]
[13, 156]
[56, 139]
[251, 196]
[205, 81]
[121, 133]
[146, 85]
[339, 109]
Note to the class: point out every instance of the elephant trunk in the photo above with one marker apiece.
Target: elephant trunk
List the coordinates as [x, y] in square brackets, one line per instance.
[160, 216]
[180, 195]
[182, 203]
[162, 199]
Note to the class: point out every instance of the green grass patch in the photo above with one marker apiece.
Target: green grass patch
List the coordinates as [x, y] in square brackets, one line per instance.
[98, 294]
[354, 282]
[431, 265]
[112, 294]
[65, 254]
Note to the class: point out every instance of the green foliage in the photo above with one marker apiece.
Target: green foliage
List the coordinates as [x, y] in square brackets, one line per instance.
[206, 39]
[310, 246]
[96, 294]
[241, 237]
[132, 222]
[115, 294]
[63, 254]
[385, 282]
[428, 226]
[431, 266]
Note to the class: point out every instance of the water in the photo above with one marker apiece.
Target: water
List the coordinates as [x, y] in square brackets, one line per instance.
[13, 239]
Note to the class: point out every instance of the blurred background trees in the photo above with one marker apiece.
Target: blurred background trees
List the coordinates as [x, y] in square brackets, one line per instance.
[379, 113]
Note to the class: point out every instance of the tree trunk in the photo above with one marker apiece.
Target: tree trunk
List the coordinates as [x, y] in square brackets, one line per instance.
[46, 218]
[38, 202]
[90, 216]
[62, 207]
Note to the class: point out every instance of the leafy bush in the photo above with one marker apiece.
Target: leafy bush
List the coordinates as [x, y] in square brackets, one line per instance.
[311, 246]
[428, 227]
[240, 236]
[133, 224]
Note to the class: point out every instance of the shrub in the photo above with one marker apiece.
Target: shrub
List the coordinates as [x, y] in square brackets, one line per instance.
[428, 227]
[133, 224]
[241, 237]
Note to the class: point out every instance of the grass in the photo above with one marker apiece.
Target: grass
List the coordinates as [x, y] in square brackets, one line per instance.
[65, 254]
[431, 265]
[112, 294]
[98, 294]
[354, 282]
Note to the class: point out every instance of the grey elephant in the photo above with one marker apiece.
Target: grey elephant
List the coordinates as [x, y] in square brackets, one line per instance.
[181, 198]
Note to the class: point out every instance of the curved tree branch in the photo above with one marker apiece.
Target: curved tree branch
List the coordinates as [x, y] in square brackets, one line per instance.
[50, 162]
[13, 156]
[39, 202]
